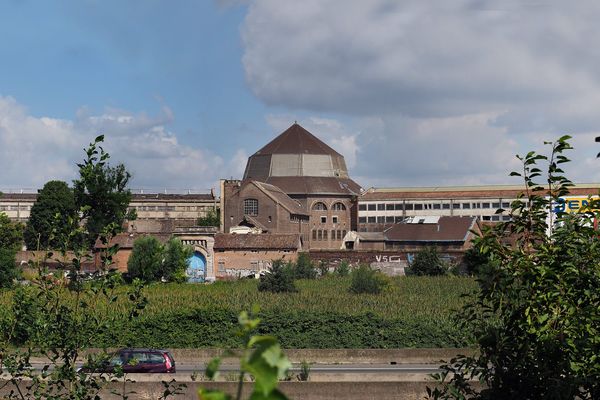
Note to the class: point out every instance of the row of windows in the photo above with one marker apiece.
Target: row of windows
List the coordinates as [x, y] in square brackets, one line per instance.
[431, 206]
[15, 208]
[170, 208]
[397, 219]
[320, 206]
[321, 234]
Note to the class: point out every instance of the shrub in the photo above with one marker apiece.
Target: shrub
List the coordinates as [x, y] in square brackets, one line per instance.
[8, 269]
[343, 268]
[323, 268]
[175, 262]
[145, 261]
[279, 279]
[305, 268]
[365, 279]
[427, 262]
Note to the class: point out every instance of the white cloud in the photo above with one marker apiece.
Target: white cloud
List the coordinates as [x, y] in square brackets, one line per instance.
[432, 92]
[34, 150]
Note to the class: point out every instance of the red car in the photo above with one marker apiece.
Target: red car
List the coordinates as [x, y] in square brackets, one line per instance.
[138, 361]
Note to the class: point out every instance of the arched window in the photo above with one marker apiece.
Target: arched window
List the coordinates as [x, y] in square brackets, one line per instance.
[251, 207]
[338, 207]
[319, 206]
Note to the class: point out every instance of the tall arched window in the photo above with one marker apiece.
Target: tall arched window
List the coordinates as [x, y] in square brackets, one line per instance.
[319, 206]
[338, 207]
[251, 207]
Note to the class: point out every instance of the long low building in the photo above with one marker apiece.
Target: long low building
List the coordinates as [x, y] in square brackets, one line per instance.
[380, 208]
[159, 206]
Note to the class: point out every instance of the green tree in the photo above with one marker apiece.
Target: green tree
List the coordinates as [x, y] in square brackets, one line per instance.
[343, 268]
[146, 259]
[279, 279]
[304, 267]
[536, 316]
[365, 279]
[101, 192]
[176, 256]
[212, 218]
[427, 262]
[49, 217]
[11, 238]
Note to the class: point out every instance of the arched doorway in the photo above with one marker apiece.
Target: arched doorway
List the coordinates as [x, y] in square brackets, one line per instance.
[196, 271]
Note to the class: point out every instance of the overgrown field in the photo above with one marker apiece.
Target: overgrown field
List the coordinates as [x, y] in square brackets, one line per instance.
[412, 312]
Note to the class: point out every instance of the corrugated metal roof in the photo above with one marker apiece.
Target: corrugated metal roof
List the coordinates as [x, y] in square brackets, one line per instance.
[265, 241]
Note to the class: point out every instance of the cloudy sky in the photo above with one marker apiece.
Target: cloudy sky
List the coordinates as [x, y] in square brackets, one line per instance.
[412, 93]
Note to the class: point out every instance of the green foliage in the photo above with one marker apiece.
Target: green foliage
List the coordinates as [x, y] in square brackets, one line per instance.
[101, 192]
[48, 221]
[279, 279]
[262, 359]
[536, 316]
[145, 261]
[11, 237]
[427, 262]
[11, 233]
[304, 267]
[8, 269]
[323, 268]
[365, 279]
[475, 260]
[343, 268]
[411, 312]
[212, 218]
[175, 261]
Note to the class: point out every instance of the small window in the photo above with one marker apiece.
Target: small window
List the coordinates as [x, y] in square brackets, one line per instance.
[380, 220]
[486, 218]
[389, 220]
[338, 207]
[485, 205]
[445, 206]
[399, 207]
[506, 218]
[495, 218]
[323, 219]
[371, 220]
[418, 206]
[325, 234]
[495, 205]
[362, 220]
[221, 267]
[251, 207]
[437, 206]
[372, 207]
[455, 206]
[389, 207]
[314, 234]
[319, 206]
[270, 219]
[505, 204]
[409, 207]
[466, 205]
[380, 207]
[334, 219]
[332, 234]
[362, 207]
[343, 234]
[398, 219]
[319, 234]
[339, 235]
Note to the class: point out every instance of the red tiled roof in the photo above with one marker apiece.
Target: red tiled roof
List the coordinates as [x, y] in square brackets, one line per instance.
[266, 241]
[448, 229]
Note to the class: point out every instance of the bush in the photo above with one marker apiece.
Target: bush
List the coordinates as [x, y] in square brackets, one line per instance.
[427, 262]
[343, 268]
[8, 269]
[323, 268]
[305, 268]
[175, 262]
[365, 279]
[279, 279]
[145, 261]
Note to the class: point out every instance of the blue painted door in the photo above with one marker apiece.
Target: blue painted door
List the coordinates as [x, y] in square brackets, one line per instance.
[196, 271]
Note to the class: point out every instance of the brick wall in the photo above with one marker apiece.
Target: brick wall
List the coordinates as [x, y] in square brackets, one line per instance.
[232, 264]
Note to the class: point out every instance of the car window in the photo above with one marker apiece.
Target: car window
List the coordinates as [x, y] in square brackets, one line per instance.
[140, 357]
[156, 358]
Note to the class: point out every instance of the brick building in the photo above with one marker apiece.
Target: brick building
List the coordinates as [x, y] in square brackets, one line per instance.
[294, 184]
[239, 255]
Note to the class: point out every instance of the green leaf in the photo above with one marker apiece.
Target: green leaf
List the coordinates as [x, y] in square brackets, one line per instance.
[208, 394]
[212, 368]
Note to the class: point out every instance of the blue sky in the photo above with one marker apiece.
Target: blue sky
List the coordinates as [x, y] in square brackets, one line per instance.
[412, 93]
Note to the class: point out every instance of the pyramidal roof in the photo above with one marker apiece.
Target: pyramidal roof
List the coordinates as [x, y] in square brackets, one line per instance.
[296, 140]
